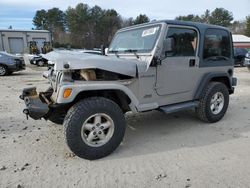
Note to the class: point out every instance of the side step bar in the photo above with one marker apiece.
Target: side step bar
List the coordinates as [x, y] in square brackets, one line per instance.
[178, 107]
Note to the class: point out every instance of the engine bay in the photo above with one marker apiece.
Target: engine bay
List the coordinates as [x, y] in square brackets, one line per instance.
[97, 74]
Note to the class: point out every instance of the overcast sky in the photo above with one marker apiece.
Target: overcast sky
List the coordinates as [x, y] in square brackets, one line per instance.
[19, 13]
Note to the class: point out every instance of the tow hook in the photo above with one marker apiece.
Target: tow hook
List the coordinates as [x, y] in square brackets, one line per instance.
[26, 112]
[21, 97]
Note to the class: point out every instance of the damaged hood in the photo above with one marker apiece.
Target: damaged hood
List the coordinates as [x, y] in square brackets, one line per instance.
[77, 60]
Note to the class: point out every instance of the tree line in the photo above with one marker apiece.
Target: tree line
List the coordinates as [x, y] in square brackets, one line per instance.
[88, 27]
[221, 17]
[83, 26]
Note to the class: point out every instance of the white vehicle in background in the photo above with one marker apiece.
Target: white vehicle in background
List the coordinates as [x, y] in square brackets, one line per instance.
[38, 60]
[247, 60]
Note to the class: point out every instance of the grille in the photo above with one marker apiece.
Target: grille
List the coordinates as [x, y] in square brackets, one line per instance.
[58, 80]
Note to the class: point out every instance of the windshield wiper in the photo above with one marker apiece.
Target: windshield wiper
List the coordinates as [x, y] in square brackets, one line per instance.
[115, 51]
[133, 51]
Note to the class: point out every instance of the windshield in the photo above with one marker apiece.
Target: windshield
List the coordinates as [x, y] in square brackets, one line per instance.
[136, 40]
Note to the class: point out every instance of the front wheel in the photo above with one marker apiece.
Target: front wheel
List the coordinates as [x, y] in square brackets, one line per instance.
[3, 70]
[40, 63]
[242, 63]
[94, 127]
[213, 103]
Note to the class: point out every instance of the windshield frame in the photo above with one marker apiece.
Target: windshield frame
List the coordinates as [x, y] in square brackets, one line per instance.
[128, 51]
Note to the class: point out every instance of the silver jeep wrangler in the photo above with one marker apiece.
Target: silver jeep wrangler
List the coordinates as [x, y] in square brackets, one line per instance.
[163, 65]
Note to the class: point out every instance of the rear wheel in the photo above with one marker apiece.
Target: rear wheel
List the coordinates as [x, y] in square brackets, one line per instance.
[94, 127]
[242, 63]
[3, 70]
[213, 103]
[40, 63]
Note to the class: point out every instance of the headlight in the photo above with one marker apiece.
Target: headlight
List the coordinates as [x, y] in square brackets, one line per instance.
[248, 55]
[51, 62]
[46, 74]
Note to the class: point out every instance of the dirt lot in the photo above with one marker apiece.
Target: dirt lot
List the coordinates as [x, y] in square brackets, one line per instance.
[159, 150]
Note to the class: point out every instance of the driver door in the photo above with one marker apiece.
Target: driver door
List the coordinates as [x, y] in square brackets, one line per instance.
[177, 74]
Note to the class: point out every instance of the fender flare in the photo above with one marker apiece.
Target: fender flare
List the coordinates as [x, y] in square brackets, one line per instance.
[207, 78]
[96, 87]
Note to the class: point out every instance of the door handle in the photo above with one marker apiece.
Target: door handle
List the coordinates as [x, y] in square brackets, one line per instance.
[191, 62]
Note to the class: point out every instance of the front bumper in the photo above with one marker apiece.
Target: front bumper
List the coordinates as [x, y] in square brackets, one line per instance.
[18, 66]
[36, 107]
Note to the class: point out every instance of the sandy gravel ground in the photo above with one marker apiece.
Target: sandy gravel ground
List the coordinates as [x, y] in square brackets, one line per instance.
[159, 150]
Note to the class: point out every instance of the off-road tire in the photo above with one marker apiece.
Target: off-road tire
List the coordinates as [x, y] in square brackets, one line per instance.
[79, 113]
[204, 111]
[6, 70]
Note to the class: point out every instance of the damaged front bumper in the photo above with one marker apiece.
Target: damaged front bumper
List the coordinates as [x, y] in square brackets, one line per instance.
[37, 106]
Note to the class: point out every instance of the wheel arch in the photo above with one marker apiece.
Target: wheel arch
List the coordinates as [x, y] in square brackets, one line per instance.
[214, 77]
[3, 64]
[118, 96]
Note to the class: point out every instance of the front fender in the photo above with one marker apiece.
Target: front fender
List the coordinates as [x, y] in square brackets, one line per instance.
[95, 86]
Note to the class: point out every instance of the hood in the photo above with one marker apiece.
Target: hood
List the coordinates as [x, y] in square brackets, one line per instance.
[11, 55]
[77, 60]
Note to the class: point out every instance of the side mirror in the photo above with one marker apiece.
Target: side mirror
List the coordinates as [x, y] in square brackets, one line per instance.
[103, 49]
[156, 61]
[168, 46]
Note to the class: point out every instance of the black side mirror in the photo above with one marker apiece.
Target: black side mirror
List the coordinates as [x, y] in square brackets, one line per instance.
[103, 49]
[156, 61]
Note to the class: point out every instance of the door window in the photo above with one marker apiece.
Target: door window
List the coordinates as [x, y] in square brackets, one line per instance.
[181, 42]
[217, 45]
